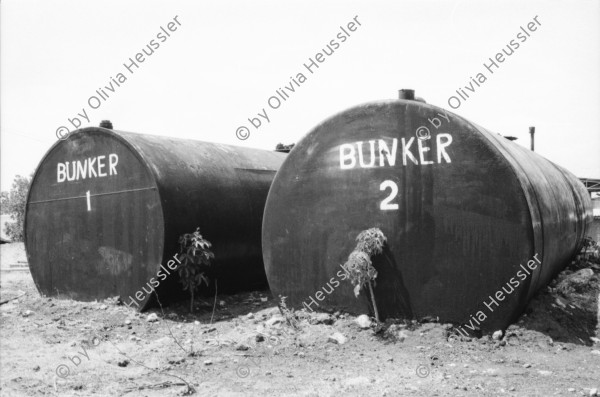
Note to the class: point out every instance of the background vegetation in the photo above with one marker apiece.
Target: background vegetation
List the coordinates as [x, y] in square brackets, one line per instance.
[13, 203]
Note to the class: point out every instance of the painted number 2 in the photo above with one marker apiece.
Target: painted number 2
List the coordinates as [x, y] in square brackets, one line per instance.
[385, 204]
[89, 203]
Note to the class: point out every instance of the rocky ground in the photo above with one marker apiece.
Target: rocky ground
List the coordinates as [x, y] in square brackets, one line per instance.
[242, 345]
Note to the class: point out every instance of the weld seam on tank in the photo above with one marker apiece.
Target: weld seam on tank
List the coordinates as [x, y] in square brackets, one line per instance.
[97, 194]
[525, 182]
[537, 209]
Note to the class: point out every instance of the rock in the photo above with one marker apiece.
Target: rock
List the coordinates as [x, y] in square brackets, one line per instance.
[27, 313]
[260, 338]
[264, 299]
[207, 362]
[152, 317]
[527, 365]
[103, 307]
[545, 373]
[249, 315]
[36, 368]
[175, 360]
[127, 322]
[497, 335]
[578, 281]
[401, 335]
[596, 352]
[593, 392]
[428, 327]
[274, 320]
[322, 318]
[221, 303]
[242, 347]
[561, 302]
[363, 321]
[338, 338]
[394, 331]
[595, 340]
[123, 363]
[571, 390]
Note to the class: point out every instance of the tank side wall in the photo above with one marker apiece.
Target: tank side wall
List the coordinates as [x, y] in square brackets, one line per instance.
[220, 188]
[561, 201]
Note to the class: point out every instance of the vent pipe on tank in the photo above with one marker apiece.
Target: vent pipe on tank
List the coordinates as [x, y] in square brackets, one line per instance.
[406, 94]
[532, 133]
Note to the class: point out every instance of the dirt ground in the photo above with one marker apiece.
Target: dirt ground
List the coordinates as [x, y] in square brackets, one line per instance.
[51, 347]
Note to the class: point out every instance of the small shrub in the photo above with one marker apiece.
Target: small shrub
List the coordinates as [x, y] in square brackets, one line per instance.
[287, 313]
[371, 241]
[359, 266]
[195, 258]
[360, 269]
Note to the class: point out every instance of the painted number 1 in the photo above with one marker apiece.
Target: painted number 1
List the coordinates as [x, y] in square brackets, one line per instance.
[89, 203]
[385, 204]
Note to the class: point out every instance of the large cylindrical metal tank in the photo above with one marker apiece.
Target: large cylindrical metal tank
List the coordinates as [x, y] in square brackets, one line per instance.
[465, 212]
[106, 208]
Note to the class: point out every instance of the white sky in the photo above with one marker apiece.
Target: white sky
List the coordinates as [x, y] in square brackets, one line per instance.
[227, 58]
